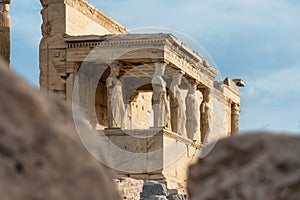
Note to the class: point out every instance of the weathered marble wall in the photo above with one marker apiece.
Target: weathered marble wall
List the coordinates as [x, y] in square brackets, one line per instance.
[164, 157]
[77, 23]
[71, 17]
[140, 112]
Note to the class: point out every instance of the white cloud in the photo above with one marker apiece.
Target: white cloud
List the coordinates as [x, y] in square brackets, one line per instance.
[272, 101]
[281, 84]
[206, 17]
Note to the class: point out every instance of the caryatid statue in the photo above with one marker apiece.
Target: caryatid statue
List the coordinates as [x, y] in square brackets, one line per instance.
[159, 98]
[176, 105]
[206, 116]
[192, 112]
[116, 107]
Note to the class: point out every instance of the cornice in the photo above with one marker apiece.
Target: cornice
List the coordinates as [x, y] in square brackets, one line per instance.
[115, 43]
[182, 57]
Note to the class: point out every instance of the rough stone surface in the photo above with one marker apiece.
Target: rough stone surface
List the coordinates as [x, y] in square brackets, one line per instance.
[41, 156]
[259, 166]
[152, 188]
[156, 197]
[176, 197]
[129, 188]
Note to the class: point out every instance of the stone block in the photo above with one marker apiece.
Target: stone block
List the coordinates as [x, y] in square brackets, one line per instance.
[129, 188]
[140, 176]
[54, 15]
[156, 177]
[129, 143]
[155, 161]
[124, 162]
[79, 24]
[154, 143]
[153, 188]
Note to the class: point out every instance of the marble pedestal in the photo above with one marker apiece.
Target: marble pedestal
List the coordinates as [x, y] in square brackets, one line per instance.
[152, 154]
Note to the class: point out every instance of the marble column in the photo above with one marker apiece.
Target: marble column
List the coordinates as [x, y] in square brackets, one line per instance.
[5, 30]
[235, 111]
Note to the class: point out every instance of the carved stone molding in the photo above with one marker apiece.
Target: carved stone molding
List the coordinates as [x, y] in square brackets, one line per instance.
[195, 70]
[116, 44]
[177, 137]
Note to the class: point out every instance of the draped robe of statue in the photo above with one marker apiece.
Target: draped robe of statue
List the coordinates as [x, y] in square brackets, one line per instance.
[206, 118]
[176, 107]
[192, 114]
[159, 98]
[116, 107]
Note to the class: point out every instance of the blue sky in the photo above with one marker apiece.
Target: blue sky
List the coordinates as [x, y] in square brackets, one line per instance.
[258, 41]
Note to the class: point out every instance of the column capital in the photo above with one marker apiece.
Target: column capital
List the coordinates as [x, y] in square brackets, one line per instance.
[5, 1]
[160, 64]
[192, 81]
[175, 73]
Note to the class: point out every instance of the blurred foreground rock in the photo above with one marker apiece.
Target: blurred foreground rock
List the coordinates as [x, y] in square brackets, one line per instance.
[41, 157]
[249, 167]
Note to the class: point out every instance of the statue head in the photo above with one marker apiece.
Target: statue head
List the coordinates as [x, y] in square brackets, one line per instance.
[192, 89]
[207, 96]
[115, 69]
[160, 68]
[192, 86]
[177, 77]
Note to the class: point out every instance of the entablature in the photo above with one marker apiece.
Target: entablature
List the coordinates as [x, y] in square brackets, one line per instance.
[147, 48]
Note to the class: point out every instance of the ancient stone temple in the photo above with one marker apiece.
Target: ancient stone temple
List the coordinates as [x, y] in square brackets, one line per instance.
[149, 94]
[5, 30]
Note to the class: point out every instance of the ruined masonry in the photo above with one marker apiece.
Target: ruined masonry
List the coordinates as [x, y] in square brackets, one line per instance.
[137, 85]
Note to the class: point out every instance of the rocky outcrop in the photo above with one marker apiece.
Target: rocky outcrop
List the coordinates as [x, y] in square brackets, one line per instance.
[41, 156]
[248, 167]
